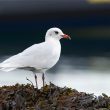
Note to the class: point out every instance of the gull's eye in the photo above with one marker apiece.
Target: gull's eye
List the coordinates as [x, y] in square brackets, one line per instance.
[56, 32]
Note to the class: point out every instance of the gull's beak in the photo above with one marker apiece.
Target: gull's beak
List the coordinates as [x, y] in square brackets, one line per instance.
[65, 36]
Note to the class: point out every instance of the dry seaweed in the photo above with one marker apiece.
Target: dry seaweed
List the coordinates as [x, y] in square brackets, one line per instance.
[51, 97]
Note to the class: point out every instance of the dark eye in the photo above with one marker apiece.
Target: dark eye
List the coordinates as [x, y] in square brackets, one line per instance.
[56, 32]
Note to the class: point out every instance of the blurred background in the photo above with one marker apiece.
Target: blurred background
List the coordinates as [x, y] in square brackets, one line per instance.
[85, 60]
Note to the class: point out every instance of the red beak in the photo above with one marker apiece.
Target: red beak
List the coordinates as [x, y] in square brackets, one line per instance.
[66, 36]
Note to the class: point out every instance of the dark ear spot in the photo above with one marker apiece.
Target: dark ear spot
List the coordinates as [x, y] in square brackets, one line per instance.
[56, 32]
[50, 34]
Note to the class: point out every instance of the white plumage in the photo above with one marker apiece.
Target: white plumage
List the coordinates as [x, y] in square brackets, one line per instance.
[40, 56]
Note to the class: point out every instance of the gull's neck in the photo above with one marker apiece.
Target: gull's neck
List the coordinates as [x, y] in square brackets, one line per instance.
[54, 43]
[51, 39]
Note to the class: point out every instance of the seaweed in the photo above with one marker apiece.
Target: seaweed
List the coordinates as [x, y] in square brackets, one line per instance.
[51, 97]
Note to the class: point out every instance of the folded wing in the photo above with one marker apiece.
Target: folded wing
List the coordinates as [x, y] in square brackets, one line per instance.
[35, 56]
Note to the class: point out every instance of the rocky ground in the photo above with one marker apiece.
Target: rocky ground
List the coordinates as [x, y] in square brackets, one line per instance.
[51, 97]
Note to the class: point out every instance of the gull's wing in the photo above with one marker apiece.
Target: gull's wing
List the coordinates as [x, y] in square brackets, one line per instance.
[35, 56]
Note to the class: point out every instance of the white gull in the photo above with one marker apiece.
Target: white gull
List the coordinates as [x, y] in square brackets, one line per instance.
[39, 57]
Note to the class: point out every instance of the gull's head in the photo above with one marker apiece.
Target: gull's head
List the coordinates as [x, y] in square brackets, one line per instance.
[56, 33]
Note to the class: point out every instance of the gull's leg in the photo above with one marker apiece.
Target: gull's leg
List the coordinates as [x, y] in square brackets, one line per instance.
[43, 79]
[36, 80]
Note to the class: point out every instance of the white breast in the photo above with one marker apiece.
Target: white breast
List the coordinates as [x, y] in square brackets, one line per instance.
[54, 54]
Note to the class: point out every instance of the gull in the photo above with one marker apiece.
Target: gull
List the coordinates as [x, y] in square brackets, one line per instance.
[38, 58]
